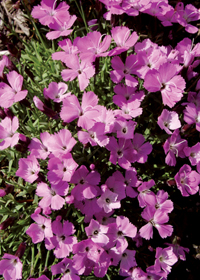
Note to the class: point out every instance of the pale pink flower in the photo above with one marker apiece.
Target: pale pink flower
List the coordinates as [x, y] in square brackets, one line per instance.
[108, 201]
[38, 148]
[193, 153]
[168, 120]
[97, 232]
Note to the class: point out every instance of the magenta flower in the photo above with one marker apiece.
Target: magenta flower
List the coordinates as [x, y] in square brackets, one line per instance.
[167, 81]
[184, 16]
[91, 46]
[157, 219]
[28, 169]
[11, 267]
[61, 143]
[145, 195]
[193, 153]
[8, 128]
[187, 180]
[66, 268]
[192, 115]
[13, 93]
[63, 240]
[141, 150]
[82, 70]
[174, 147]
[38, 148]
[86, 183]
[61, 26]
[169, 120]
[68, 48]
[124, 71]
[61, 169]
[165, 258]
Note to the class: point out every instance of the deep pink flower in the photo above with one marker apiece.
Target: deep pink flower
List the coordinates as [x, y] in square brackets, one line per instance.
[141, 150]
[13, 93]
[63, 240]
[145, 195]
[8, 132]
[67, 268]
[157, 219]
[68, 48]
[193, 153]
[187, 180]
[108, 201]
[124, 71]
[11, 267]
[61, 26]
[174, 147]
[38, 148]
[28, 169]
[192, 115]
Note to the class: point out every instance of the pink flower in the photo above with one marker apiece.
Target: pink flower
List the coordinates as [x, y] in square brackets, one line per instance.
[83, 70]
[11, 267]
[52, 196]
[123, 39]
[97, 233]
[63, 240]
[157, 219]
[165, 258]
[108, 201]
[192, 115]
[67, 268]
[141, 150]
[13, 93]
[8, 128]
[61, 26]
[41, 229]
[174, 147]
[86, 112]
[169, 120]
[56, 91]
[193, 153]
[28, 169]
[167, 81]
[124, 71]
[38, 148]
[187, 180]
[47, 13]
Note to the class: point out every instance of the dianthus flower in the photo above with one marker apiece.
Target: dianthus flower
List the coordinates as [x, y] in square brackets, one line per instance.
[67, 268]
[11, 267]
[193, 153]
[157, 219]
[56, 91]
[82, 70]
[169, 120]
[8, 133]
[166, 80]
[97, 233]
[28, 169]
[13, 93]
[187, 180]
[165, 258]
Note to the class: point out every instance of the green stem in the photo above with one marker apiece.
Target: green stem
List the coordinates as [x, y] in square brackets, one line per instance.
[82, 15]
